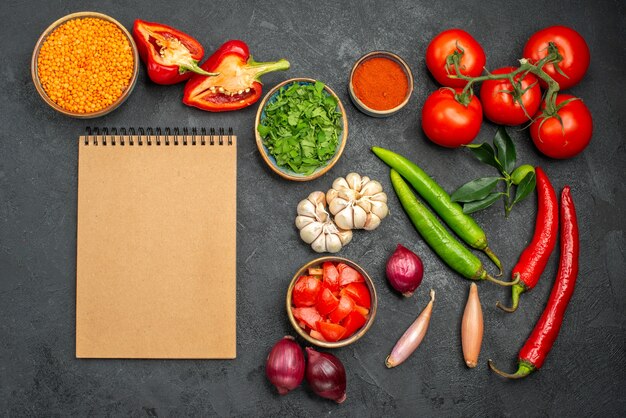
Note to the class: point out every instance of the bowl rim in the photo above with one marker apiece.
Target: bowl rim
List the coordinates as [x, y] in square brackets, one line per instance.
[394, 57]
[264, 152]
[35, 73]
[354, 337]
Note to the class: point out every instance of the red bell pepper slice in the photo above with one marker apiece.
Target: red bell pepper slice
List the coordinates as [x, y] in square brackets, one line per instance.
[306, 291]
[309, 316]
[171, 56]
[359, 293]
[353, 322]
[348, 275]
[326, 302]
[331, 276]
[346, 305]
[237, 85]
[331, 332]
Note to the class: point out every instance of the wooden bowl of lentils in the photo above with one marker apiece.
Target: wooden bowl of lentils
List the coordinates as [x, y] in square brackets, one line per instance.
[85, 65]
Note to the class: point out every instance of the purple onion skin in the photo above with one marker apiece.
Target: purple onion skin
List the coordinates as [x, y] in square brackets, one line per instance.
[284, 366]
[326, 375]
[404, 271]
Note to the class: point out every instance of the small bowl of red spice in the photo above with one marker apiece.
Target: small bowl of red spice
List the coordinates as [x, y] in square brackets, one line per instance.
[380, 84]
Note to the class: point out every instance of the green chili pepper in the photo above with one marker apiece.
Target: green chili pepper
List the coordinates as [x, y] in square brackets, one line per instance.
[452, 214]
[448, 248]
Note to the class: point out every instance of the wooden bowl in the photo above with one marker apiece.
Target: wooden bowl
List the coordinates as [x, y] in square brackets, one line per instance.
[35, 71]
[362, 106]
[354, 337]
[271, 161]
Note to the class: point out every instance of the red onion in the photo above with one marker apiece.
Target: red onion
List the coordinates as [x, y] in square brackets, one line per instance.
[285, 365]
[326, 375]
[404, 271]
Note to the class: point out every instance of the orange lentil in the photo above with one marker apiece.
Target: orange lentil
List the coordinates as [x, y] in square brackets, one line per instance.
[85, 64]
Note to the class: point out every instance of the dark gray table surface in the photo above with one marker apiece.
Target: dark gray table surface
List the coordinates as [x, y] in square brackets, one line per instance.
[585, 373]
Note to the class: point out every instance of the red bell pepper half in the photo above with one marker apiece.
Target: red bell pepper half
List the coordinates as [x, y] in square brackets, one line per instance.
[171, 56]
[236, 86]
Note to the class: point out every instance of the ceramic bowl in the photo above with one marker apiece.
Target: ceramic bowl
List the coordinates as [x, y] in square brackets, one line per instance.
[354, 337]
[362, 106]
[35, 72]
[271, 161]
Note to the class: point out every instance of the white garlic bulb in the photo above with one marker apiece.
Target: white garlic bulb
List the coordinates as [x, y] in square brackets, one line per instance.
[317, 228]
[357, 202]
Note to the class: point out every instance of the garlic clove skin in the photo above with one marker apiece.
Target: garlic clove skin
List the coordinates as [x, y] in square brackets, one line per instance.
[331, 195]
[345, 236]
[372, 222]
[365, 204]
[359, 216]
[302, 221]
[379, 197]
[340, 183]
[337, 205]
[333, 243]
[371, 188]
[311, 232]
[319, 245]
[380, 209]
[354, 181]
[317, 197]
[306, 208]
[344, 219]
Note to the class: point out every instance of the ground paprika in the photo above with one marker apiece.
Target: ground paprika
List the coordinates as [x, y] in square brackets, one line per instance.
[380, 83]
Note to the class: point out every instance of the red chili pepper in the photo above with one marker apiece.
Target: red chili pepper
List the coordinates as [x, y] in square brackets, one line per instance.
[237, 85]
[538, 345]
[534, 258]
[171, 56]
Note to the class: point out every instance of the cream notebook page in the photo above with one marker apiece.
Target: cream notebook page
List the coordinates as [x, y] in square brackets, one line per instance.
[156, 247]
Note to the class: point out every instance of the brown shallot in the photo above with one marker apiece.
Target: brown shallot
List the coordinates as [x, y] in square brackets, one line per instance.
[412, 337]
[472, 328]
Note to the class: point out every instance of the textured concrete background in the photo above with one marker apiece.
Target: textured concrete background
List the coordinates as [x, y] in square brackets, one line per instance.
[584, 375]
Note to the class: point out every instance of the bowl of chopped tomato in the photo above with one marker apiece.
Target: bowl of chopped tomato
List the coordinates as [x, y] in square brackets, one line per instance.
[331, 302]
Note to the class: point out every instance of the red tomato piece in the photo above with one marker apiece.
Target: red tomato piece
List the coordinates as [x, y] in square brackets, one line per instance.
[331, 332]
[346, 305]
[326, 302]
[348, 275]
[353, 322]
[306, 291]
[363, 311]
[317, 335]
[331, 276]
[309, 316]
[359, 293]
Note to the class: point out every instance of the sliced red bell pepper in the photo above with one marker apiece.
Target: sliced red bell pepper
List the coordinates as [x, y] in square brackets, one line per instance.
[331, 332]
[237, 85]
[309, 316]
[306, 291]
[348, 275]
[171, 56]
[346, 305]
[326, 302]
[353, 322]
[331, 276]
[359, 293]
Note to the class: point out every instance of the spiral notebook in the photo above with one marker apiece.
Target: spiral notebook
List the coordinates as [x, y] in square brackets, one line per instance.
[156, 247]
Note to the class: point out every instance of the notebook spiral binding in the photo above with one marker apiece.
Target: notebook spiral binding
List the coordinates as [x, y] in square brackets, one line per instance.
[157, 136]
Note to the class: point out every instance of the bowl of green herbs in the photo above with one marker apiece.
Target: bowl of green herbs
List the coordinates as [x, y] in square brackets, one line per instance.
[301, 129]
